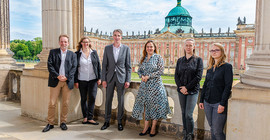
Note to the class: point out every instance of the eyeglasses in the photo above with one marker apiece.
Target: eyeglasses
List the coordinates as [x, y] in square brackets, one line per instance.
[189, 46]
[214, 51]
[85, 42]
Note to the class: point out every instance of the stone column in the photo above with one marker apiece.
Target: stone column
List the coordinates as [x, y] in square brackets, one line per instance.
[258, 73]
[6, 60]
[56, 20]
[248, 110]
[78, 21]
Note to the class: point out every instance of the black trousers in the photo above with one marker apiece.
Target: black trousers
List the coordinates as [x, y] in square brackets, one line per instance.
[88, 89]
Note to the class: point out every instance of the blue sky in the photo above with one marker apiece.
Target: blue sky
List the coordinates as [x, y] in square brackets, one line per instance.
[135, 15]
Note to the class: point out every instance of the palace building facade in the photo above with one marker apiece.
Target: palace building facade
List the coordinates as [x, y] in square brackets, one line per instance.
[239, 44]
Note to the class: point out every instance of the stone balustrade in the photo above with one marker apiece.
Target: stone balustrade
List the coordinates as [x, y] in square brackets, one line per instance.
[33, 86]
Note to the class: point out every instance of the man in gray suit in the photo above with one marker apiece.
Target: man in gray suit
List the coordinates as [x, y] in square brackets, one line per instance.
[116, 72]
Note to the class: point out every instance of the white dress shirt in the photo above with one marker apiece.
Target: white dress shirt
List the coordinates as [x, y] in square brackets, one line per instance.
[116, 52]
[62, 66]
[86, 70]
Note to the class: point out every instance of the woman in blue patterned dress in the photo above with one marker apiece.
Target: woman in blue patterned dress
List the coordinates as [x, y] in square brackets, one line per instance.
[152, 98]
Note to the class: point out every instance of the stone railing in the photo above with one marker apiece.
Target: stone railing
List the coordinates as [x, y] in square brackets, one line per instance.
[171, 126]
[35, 98]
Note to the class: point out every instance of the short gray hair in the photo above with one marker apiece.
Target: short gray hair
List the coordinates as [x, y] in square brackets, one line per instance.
[118, 30]
[190, 39]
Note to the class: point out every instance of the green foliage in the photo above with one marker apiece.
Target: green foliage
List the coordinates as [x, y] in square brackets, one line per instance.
[167, 79]
[26, 50]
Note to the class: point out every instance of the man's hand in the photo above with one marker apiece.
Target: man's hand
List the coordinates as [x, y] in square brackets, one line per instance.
[62, 78]
[127, 84]
[76, 85]
[104, 84]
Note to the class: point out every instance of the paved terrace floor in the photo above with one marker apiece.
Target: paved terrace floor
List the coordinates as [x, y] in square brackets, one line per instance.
[13, 126]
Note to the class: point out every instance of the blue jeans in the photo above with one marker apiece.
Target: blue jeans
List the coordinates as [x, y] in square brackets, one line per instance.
[187, 103]
[215, 120]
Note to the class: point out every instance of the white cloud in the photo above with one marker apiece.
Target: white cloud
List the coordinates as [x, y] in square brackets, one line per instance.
[137, 15]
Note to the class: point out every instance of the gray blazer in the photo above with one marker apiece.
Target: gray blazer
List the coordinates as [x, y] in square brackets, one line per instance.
[122, 66]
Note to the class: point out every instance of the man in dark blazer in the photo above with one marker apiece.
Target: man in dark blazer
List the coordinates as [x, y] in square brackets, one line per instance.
[116, 72]
[62, 67]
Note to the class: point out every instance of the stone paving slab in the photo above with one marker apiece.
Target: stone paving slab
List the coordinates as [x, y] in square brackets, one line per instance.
[13, 126]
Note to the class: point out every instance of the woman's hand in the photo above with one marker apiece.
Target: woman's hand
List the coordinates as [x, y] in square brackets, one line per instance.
[183, 90]
[104, 84]
[145, 78]
[201, 105]
[98, 82]
[220, 109]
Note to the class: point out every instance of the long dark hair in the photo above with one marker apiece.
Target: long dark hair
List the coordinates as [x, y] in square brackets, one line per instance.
[144, 50]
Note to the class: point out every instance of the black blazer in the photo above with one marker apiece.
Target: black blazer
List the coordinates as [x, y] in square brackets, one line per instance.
[188, 73]
[54, 62]
[95, 62]
[218, 84]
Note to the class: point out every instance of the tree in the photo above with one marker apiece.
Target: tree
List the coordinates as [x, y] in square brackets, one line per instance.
[20, 55]
[26, 49]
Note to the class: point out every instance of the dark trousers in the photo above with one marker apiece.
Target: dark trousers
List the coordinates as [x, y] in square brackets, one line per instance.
[188, 103]
[88, 89]
[109, 97]
[215, 120]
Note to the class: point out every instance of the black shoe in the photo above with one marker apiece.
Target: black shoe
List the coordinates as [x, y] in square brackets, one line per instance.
[147, 132]
[184, 135]
[105, 126]
[190, 137]
[152, 135]
[47, 128]
[120, 127]
[63, 126]
[84, 122]
[95, 123]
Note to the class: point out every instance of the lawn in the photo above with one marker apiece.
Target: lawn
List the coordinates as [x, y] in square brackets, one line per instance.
[166, 79]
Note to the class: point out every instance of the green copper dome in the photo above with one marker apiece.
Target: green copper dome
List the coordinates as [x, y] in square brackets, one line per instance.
[178, 20]
[178, 11]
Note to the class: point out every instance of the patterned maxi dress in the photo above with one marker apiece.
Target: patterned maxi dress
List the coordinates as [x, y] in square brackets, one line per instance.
[151, 95]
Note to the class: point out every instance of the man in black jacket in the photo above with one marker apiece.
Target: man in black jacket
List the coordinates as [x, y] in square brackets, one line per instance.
[62, 67]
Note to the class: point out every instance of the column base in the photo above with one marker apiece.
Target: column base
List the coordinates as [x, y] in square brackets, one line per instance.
[248, 113]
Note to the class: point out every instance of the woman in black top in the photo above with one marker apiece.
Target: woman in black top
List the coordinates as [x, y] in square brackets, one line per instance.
[188, 74]
[216, 91]
[87, 78]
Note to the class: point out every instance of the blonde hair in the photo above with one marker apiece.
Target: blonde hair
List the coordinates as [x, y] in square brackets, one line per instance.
[221, 60]
[193, 42]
